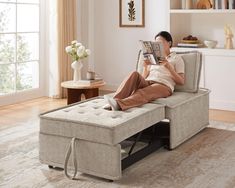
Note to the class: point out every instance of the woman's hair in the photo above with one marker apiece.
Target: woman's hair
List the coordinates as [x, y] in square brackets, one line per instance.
[166, 35]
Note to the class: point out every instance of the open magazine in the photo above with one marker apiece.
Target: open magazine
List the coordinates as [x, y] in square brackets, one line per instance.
[152, 51]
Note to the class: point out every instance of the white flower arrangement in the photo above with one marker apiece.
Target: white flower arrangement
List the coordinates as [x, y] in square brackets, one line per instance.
[77, 51]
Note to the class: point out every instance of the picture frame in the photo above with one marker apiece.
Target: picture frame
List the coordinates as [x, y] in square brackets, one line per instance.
[132, 13]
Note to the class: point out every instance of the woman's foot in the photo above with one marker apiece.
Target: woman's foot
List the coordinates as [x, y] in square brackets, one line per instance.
[112, 102]
[107, 107]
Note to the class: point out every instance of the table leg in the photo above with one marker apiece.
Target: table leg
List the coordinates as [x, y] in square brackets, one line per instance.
[74, 95]
[89, 93]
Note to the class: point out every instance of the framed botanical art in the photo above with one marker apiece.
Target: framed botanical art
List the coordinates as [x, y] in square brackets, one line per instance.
[131, 13]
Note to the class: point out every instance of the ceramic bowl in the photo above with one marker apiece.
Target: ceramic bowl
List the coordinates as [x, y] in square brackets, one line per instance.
[210, 43]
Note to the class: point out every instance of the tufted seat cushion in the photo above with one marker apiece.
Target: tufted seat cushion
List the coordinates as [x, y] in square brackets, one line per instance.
[89, 121]
[179, 98]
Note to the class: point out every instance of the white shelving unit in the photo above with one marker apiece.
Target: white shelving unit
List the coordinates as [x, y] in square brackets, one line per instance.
[218, 70]
[208, 51]
[202, 11]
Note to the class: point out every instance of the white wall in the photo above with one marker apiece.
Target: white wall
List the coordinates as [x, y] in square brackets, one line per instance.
[115, 49]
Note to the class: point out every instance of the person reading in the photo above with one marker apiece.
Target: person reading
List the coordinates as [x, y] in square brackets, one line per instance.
[156, 81]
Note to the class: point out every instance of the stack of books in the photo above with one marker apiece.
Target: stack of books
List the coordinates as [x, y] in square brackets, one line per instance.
[223, 4]
[91, 82]
[190, 44]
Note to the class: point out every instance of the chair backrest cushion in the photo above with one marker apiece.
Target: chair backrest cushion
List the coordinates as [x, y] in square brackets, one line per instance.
[193, 64]
[140, 60]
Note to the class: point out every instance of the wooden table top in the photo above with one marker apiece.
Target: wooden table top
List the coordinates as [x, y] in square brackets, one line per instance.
[81, 85]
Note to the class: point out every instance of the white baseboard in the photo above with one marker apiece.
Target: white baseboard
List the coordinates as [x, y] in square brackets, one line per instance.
[222, 105]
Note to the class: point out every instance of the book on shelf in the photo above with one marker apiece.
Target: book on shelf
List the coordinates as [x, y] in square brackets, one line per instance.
[88, 82]
[219, 4]
[231, 4]
[153, 51]
[224, 4]
[188, 45]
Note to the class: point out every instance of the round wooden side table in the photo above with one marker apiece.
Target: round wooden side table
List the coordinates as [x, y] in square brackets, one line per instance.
[76, 89]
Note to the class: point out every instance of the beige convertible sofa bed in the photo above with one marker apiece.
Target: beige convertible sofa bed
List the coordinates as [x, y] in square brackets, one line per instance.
[97, 138]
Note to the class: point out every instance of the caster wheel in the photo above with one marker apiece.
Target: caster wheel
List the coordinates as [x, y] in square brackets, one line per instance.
[167, 147]
[49, 166]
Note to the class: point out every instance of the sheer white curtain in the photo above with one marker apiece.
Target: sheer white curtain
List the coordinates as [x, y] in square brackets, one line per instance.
[62, 29]
[52, 46]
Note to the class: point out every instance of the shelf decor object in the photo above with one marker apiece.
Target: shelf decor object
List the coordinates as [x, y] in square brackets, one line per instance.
[131, 13]
[228, 35]
[210, 43]
[204, 4]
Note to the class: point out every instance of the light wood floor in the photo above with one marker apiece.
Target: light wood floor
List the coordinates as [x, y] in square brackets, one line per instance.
[221, 115]
[13, 115]
[29, 111]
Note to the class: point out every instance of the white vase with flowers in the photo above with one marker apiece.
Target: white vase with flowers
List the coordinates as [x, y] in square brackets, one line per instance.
[78, 52]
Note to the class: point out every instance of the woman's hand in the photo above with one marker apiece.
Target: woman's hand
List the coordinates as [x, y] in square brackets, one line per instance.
[146, 66]
[167, 65]
[178, 78]
[146, 63]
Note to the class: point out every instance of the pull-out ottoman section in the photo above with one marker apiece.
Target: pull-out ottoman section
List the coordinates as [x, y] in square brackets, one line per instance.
[99, 133]
[188, 114]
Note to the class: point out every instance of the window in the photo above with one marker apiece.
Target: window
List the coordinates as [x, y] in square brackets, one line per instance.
[19, 45]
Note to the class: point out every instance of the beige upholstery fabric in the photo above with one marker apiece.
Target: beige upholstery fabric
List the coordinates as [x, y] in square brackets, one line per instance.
[193, 66]
[89, 121]
[93, 158]
[99, 133]
[179, 98]
[188, 118]
[188, 114]
[187, 108]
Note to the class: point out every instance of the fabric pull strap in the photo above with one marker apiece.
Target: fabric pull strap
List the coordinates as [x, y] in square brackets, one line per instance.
[71, 151]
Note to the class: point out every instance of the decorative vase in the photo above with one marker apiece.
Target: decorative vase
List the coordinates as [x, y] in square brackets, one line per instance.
[77, 70]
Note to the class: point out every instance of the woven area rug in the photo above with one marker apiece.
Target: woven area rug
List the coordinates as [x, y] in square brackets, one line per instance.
[205, 161]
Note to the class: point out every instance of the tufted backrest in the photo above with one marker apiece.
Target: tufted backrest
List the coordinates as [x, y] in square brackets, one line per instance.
[193, 64]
